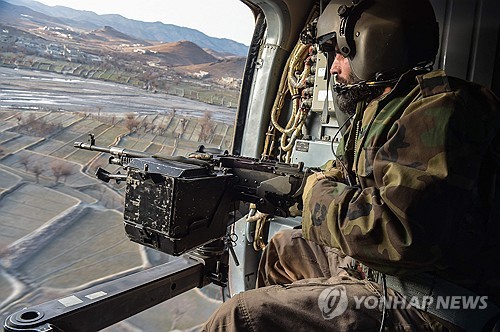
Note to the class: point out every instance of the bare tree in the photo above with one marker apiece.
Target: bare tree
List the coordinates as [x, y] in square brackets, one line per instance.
[56, 168]
[29, 120]
[131, 122]
[162, 129]
[99, 108]
[67, 171]
[183, 125]
[61, 169]
[207, 127]
[38, 170]
[25, 161]
[31, 125]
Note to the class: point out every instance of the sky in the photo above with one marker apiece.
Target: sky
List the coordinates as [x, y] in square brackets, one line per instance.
[216, 18]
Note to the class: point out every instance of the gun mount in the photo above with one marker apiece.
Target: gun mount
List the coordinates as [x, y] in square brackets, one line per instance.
[103, 305]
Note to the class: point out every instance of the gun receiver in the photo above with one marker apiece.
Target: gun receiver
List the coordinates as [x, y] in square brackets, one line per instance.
[176, 204]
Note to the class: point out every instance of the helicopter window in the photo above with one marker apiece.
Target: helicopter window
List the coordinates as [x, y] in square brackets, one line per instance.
[69, 69]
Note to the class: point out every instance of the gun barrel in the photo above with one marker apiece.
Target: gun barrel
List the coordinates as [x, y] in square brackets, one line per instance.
[112, 150]
[90, 147]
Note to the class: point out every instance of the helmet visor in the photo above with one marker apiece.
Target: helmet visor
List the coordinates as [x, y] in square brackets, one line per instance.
[327, 43]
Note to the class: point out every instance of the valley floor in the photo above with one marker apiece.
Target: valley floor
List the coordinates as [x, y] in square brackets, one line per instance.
[63, 233]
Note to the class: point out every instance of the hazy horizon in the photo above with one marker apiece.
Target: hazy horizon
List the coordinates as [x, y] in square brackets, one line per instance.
[206, 19]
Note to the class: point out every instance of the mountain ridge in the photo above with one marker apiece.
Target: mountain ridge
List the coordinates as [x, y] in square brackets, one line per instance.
[149, 31]
[111, 34]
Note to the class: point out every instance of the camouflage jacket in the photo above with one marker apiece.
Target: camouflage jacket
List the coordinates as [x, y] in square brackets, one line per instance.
[425, 194]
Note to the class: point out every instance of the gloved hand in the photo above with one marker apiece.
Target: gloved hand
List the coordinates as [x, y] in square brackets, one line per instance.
[259, 219]
[332, 174]
[257, 216]
[320, 191]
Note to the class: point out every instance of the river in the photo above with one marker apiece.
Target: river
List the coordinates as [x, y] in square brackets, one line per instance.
[36, 90]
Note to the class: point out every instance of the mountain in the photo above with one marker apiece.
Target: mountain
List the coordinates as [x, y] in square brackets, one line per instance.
[154, 31]
[181, 53]
[109, 34]
[25, 17]
[228, 67]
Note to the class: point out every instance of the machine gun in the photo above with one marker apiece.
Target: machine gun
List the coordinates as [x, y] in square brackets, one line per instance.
[175, 204]
[180, 206]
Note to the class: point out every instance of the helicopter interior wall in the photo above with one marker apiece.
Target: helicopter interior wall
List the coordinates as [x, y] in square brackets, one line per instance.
[284, 20]
[470, 40]
[469, 36]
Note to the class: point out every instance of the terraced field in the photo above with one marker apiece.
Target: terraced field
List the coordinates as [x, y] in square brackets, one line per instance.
[27, 208]
[61, 233]
[8, 180]
[93, 247]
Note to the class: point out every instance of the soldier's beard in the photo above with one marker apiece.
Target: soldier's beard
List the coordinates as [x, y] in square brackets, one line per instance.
[348, 99]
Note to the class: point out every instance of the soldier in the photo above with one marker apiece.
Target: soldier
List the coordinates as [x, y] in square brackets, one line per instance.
[400, 232]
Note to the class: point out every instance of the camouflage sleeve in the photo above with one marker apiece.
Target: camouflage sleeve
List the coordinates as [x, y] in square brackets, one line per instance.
[424, 191]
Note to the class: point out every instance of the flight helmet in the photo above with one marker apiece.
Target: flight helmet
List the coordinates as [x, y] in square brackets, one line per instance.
[381, 38]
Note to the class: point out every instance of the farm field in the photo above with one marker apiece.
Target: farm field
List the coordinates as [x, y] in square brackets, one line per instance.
[61, 228]
[27, 208]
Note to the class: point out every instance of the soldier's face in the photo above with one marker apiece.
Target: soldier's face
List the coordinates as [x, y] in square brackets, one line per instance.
[342, 68]
[346, 101]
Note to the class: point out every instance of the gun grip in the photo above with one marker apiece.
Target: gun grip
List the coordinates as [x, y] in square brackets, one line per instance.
[102, 175]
